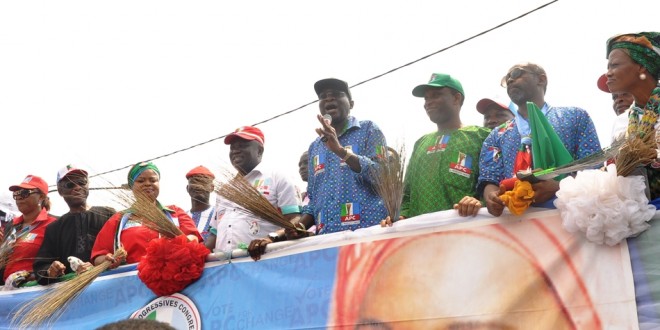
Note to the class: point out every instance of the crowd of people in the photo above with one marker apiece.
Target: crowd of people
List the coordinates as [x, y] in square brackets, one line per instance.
[455, 167]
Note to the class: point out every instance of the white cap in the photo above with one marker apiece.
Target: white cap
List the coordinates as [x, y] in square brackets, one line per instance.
[64, 171]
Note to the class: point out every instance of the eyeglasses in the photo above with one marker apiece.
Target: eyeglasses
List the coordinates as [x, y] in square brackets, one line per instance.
[332, 94]
[24, 193]
[514, 74]
[70, 184]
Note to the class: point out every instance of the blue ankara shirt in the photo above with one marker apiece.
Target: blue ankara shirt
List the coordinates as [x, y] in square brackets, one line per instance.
[498, 154]
[340, 199]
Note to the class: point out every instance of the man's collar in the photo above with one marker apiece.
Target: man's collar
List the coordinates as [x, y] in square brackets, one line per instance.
[352, 122]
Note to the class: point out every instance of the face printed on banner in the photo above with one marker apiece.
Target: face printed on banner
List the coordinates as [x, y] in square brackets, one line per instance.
[443, 296]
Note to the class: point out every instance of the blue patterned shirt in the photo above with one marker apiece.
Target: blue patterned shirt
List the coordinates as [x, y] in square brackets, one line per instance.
[340, 199]
[498, 154]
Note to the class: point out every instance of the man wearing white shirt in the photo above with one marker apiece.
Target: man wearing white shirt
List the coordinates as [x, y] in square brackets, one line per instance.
[232, 227]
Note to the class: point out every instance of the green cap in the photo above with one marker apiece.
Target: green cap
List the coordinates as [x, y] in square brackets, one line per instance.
[439, 80]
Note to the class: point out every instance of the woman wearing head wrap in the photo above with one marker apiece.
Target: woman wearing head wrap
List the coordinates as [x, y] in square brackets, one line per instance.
[634, 67]
[23, 235]
[123, 229]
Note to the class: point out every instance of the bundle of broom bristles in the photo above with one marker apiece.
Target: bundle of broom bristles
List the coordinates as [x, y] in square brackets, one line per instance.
[48, 307]
[638, 150]
[387, 179]
[236, 189]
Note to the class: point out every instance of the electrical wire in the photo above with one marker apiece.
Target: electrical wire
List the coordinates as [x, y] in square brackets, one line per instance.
[355, 85]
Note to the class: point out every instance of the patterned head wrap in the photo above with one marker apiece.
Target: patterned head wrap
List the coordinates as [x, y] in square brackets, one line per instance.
[138, 168]
[644, 48]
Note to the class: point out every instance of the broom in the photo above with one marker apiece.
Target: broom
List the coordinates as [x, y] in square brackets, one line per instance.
[240, 192]
[387, 179]
[48, 307]
[146, 212]
[639, 150]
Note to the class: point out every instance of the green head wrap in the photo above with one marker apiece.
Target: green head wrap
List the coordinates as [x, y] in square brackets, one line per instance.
[138, 168]
[644, 48]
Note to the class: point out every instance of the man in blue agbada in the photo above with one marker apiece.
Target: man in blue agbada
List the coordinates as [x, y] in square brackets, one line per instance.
[508, 148]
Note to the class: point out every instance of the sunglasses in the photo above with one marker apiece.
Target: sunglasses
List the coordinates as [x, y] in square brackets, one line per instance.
[24, 193]
[68, 184]
[514, 74]
[332, 94]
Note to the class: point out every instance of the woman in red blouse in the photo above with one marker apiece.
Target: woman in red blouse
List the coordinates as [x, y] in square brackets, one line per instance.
[122, 229]
[26, 232]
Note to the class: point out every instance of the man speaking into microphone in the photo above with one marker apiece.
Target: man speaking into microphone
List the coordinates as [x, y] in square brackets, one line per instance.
[339, 187]
[340, 193]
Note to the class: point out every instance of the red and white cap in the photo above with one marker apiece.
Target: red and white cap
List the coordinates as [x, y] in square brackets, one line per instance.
[32, 182]
[485, 103]
[66, 170]
[246, 133]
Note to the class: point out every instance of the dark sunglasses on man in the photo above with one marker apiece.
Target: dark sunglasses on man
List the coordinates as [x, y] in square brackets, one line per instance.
[70, 184]
[514, 74]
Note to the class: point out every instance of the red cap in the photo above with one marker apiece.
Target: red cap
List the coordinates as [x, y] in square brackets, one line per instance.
[200, 170]
[484, 104]
[602, 83]
[32, 182]
[246, 133]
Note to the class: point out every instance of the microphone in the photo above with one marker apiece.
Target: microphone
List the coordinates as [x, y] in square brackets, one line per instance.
[328, 120]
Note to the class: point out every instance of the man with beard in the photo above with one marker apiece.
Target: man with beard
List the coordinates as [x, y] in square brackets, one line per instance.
[200, 186]
[73, 235]
[443, 169]
[506, 150]
[233, 227]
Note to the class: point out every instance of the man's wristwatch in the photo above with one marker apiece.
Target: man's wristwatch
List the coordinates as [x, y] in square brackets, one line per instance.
[349, 153]
[275, 237]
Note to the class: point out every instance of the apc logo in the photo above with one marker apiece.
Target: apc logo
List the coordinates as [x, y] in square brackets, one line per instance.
[177, 310]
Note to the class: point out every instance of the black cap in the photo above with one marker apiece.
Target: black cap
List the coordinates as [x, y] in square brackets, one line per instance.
[332, 83]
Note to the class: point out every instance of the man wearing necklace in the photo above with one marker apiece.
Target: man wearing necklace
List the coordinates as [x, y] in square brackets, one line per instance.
[26, 232]
[506, 150]
[73, 235]
[444, 166]
[200, 186]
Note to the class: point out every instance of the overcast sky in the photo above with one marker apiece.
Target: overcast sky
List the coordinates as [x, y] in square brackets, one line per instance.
[106, 84]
